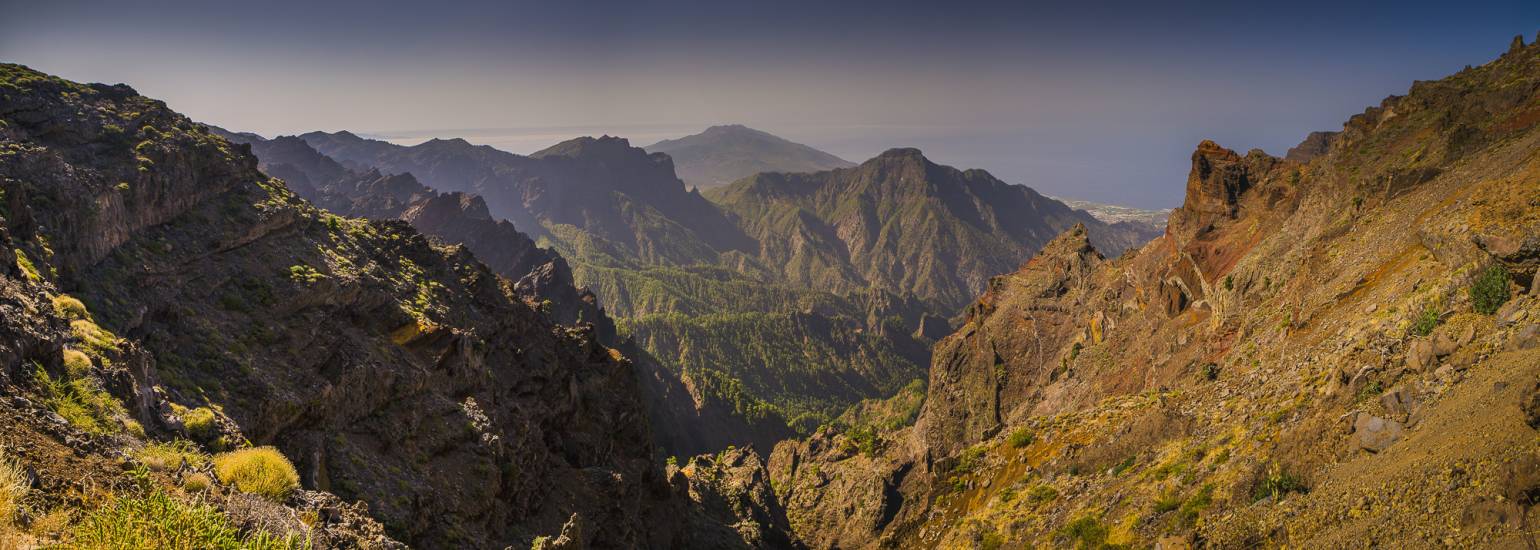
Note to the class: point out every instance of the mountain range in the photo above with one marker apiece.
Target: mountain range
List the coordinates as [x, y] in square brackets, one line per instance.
[330, 341]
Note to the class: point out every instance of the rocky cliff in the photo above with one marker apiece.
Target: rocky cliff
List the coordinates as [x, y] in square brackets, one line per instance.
[1334, 353]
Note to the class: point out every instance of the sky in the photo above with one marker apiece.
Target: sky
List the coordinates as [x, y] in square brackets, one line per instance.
[1102, 101]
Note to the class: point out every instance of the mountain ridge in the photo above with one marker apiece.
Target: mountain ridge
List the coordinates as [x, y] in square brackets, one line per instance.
[722, 154]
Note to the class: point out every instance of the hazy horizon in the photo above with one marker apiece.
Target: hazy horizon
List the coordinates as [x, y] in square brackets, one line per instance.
[1101, 103]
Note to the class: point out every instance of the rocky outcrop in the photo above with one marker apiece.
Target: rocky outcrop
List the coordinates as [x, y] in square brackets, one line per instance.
[1314, 145]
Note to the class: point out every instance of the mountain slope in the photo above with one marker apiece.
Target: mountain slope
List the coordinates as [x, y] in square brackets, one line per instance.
[901, 222]
[214, 305]
[724, 154]
[1289, 365]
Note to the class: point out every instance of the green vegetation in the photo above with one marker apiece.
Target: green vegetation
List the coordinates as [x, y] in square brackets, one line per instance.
[13, 486]
[68, 307]
[1277, 483]
[167, 456]
[97, 341]
[1426, 321]
[200, 423]
[76, 363]
[27, 267]
[1490, 290]
[304, 274]
[1042, 492]
[158, 521]
[1020, 437]
[80, 401]
[1211, 371]
[1087, 533]
[262, 471]
[863, 439]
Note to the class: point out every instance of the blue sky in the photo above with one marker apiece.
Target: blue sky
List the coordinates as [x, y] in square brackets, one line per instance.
[1101, 100]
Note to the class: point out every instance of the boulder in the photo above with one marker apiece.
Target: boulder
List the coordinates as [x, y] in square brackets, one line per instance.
[1419, 356]
[1375, 434]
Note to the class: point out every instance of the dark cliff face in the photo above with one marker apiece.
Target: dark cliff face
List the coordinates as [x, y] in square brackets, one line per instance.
[390, 369]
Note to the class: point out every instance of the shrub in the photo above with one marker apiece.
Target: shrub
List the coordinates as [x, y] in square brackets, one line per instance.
[1490, 290]
[1020, 438]
[80, 401]
[1211, 371]
[27, 267]
[200, 423]
[1188, 515]
[260, 471]
[157, 521]
[1086, 532]
[164, 456]
[76, 363]
[1229, 282]
[1042, 492]
[97, 340]
[69, 307]
[197, 482]
[1426, 321]
[1277, 483]
[1167, 502]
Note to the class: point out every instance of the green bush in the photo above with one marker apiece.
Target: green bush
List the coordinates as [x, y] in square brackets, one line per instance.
[1490, 290]
[200, 423]
[76, 363]
[1087, 532]
[69, 307]
[1277, 483]
[1042, 492]
[97, 341]
[1022, 437]
[165, 456]
[260, 471]
[157, 521]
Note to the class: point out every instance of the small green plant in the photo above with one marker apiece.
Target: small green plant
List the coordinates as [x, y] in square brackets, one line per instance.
[200, 423]
[1193, 507]
[262, 471]
[1426, 321]
[1277, 483]
[991, 541]
[1358, 203]
[76, 363]
[1042, 492]
[1074, 351]
[1087, 532]
[1021, 437]
[304, 274]
[27, 267]
[167, 456]
[1167, 502]
[70, 308]
[13, 486]
[863, 439]
[1123, 466]
[1229, 282]
[672, 461]
[1211, 371]
[97, 341]
[1490, 290]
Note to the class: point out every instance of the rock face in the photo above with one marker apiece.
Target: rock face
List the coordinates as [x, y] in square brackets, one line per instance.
[1314, 145]
[390, 369]
[1288, 353]
[725, 154]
